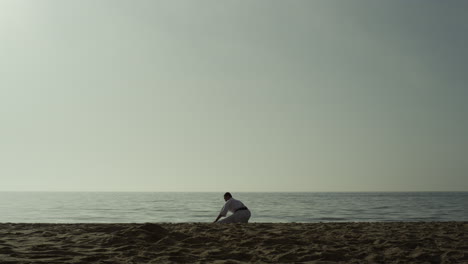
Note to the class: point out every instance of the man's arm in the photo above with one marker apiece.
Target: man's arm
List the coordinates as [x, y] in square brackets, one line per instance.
[224, 211]
[217, 218]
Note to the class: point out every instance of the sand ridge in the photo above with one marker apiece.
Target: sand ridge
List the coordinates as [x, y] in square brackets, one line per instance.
[399, 242]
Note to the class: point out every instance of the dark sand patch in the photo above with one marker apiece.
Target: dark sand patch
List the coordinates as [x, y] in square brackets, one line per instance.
[439, 242]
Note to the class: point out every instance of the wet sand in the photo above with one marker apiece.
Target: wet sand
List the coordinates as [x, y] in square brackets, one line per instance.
[440, 242]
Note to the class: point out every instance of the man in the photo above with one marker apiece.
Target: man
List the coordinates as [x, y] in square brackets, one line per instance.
[240, 213]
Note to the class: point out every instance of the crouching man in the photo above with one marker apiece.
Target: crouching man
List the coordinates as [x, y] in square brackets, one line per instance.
[240, 213]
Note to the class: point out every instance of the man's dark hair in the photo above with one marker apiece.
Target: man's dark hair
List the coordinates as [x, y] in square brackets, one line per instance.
[228, 194]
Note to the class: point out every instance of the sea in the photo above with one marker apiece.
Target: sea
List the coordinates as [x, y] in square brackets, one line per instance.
[178, 207]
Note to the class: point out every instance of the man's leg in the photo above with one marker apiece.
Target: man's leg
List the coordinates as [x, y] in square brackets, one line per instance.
[227, 220]
[238, 217]
[244, 216]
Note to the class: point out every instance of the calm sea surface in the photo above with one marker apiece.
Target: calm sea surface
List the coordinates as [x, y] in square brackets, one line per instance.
[105, 207]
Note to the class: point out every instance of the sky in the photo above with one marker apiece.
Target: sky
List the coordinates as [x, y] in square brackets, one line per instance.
[240, 96]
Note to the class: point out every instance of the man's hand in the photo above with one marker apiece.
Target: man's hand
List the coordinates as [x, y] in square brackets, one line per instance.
[217, 218]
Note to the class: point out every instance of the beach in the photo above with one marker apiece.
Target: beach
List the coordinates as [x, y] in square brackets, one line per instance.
[393, 242]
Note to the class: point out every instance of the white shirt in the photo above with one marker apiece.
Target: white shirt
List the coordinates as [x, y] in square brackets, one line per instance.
[231, 205]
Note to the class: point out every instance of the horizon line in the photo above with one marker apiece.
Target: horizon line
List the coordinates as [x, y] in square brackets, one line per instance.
[120, 191]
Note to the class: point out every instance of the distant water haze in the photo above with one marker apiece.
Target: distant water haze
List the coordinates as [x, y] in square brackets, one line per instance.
[241, 96]
[95, 207]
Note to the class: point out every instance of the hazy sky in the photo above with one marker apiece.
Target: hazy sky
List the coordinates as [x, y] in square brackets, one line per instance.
[233, 95]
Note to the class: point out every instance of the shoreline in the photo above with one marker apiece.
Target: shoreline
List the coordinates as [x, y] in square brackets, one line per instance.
[331, 242]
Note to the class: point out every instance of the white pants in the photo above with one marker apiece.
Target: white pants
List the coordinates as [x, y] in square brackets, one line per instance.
[241, 216]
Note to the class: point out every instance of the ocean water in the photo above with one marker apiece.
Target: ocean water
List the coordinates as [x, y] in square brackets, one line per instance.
[125, 207]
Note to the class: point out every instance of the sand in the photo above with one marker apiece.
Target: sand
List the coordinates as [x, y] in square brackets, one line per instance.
[440, 242]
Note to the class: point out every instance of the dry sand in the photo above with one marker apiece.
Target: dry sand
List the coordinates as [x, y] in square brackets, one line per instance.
[441, 242]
